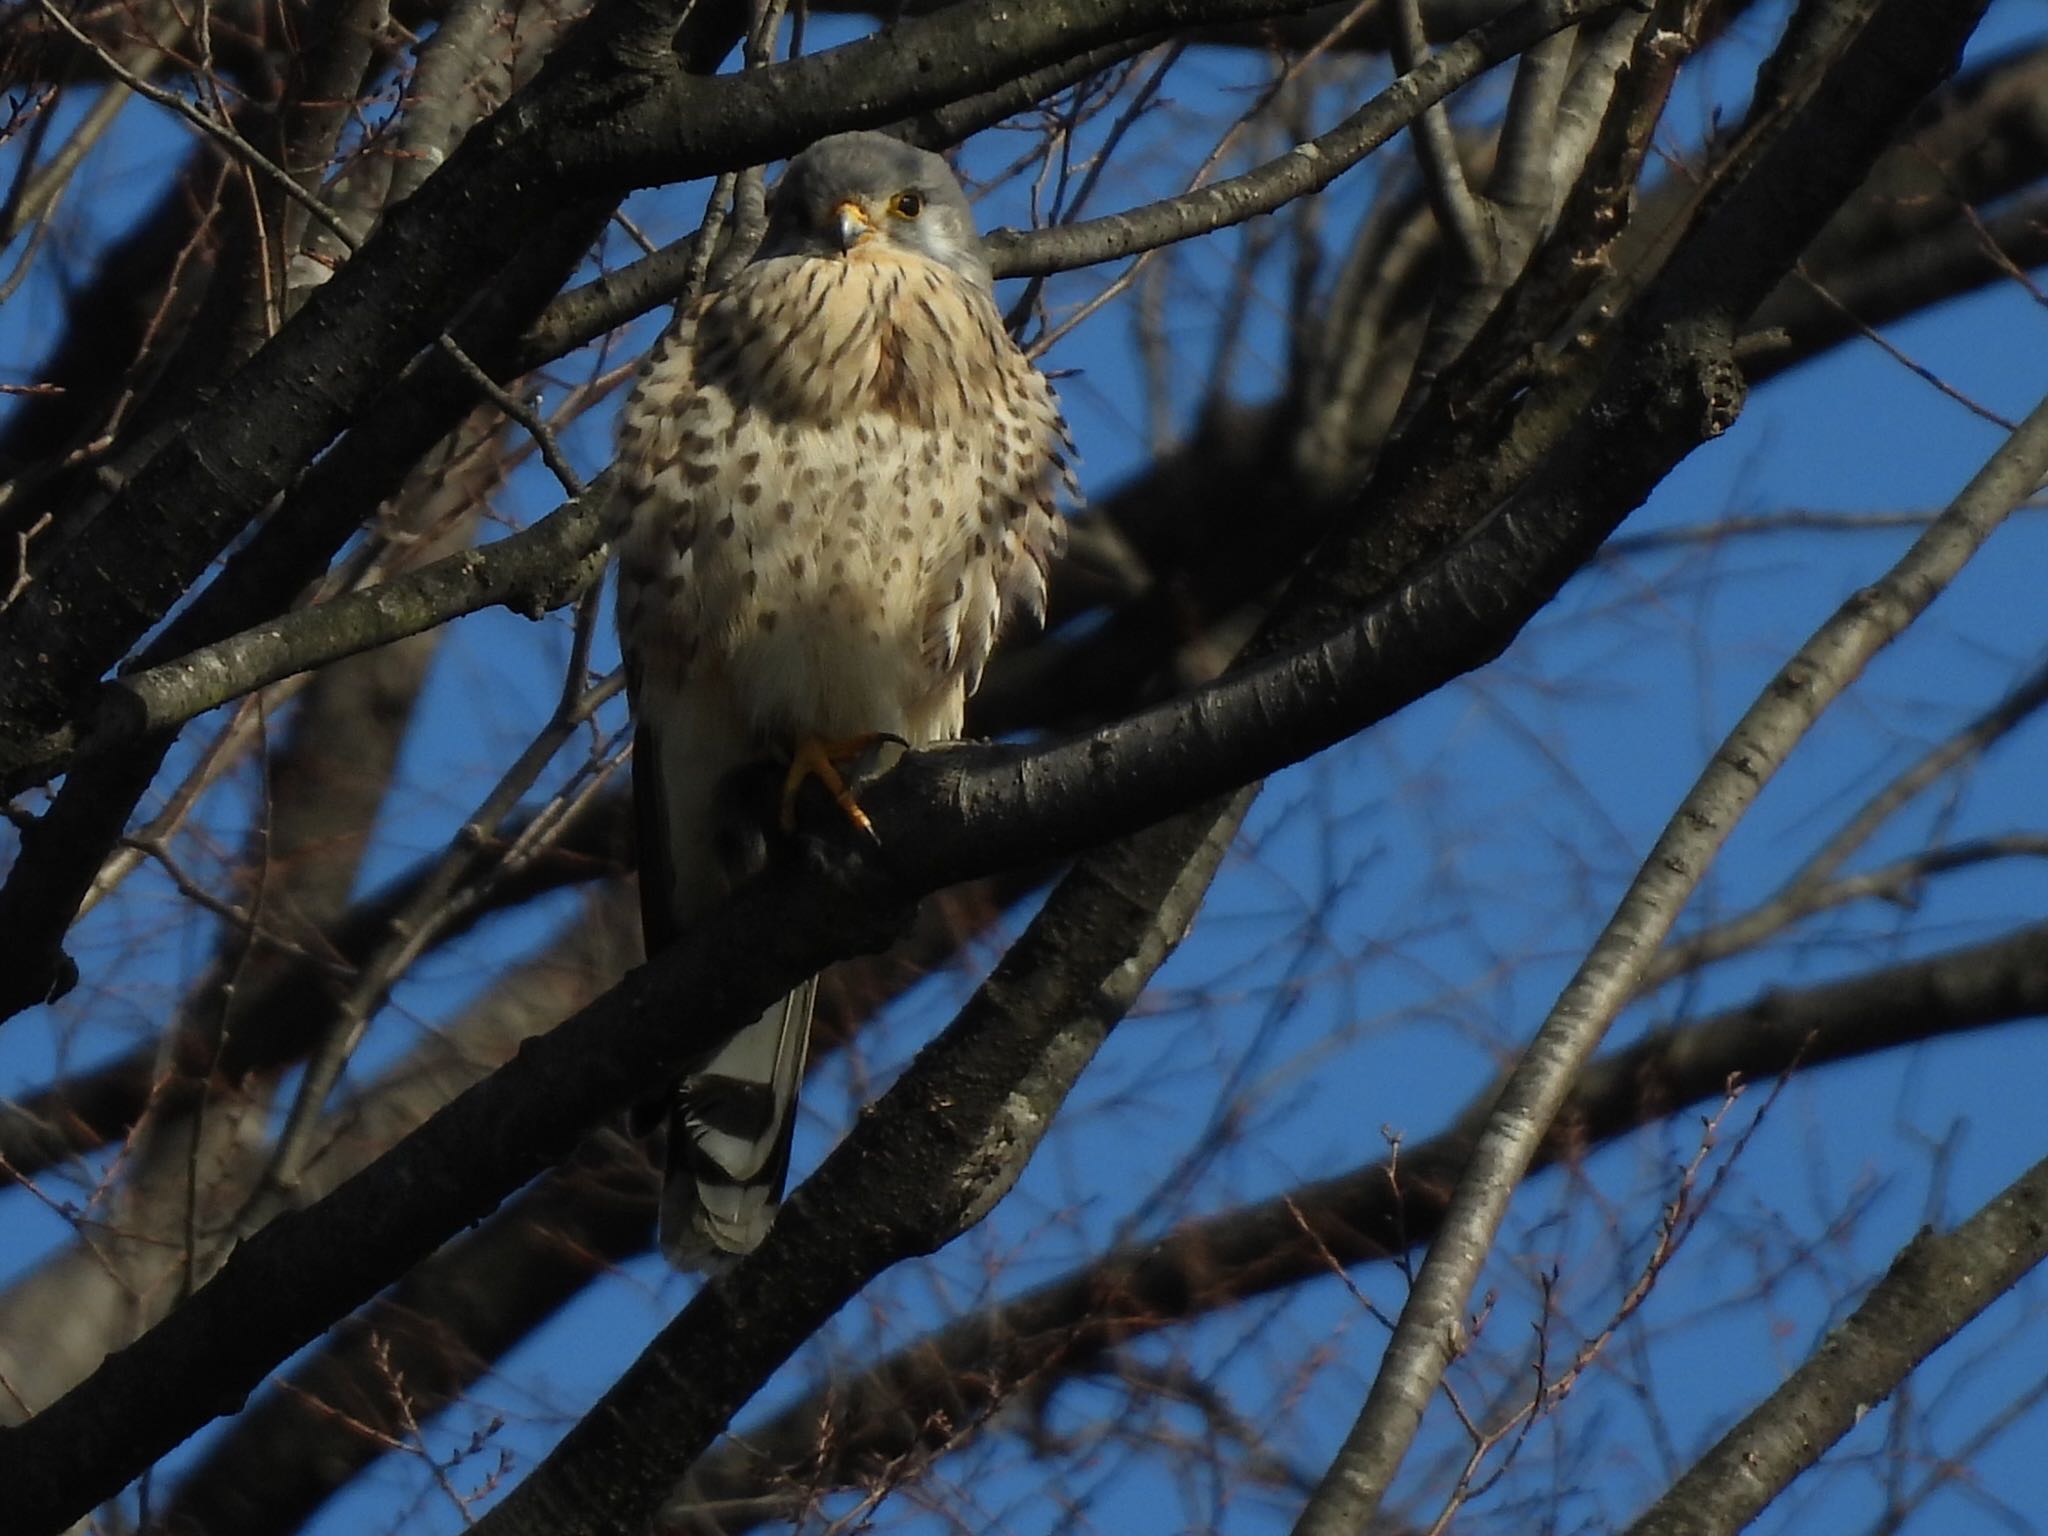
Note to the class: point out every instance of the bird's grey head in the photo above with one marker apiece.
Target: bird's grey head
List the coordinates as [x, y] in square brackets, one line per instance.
[857, 187]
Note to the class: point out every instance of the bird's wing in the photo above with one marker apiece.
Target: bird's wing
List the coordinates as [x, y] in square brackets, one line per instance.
[1004, 463]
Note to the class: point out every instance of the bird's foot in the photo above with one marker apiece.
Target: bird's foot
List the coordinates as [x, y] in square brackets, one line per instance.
[820, 760]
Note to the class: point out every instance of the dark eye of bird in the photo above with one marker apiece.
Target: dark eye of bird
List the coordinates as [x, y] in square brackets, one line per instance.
[908, 204]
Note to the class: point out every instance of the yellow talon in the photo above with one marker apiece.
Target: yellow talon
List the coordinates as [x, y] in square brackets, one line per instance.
[820, 760]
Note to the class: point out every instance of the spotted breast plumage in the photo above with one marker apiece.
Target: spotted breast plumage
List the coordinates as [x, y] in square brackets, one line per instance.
[835, 482]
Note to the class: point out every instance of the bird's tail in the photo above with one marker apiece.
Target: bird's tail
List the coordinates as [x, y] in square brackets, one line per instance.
[729, 1135]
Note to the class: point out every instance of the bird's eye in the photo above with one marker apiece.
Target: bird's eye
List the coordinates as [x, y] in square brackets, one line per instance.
[908, 205]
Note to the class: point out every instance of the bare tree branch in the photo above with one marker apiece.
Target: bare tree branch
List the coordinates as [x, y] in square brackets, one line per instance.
[1937, 1285]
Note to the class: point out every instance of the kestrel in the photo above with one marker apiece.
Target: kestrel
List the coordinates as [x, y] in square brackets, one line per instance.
[836, 481]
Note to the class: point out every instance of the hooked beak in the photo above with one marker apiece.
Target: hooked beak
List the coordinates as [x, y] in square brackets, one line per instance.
[851, 223]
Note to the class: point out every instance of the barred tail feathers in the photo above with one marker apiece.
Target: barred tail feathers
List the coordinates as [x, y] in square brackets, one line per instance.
[729, 1137]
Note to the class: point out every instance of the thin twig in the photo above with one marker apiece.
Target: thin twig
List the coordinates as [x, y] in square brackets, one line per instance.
[1307, 168]
[221, 133]
[224, 134]
[1937, 1284]
[468, 861]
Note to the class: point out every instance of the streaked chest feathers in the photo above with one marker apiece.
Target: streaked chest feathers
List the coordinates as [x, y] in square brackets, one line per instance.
[836, 481]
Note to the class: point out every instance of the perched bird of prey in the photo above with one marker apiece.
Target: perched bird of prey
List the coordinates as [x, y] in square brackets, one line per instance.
[835, 481]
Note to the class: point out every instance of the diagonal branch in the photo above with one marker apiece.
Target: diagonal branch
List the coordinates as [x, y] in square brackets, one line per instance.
[1937, 1285]
[1620, 959]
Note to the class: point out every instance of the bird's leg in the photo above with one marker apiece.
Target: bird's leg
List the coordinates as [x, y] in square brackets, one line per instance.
[820, 760]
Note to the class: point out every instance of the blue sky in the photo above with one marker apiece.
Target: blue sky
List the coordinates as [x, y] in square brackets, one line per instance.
[1401, 913]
